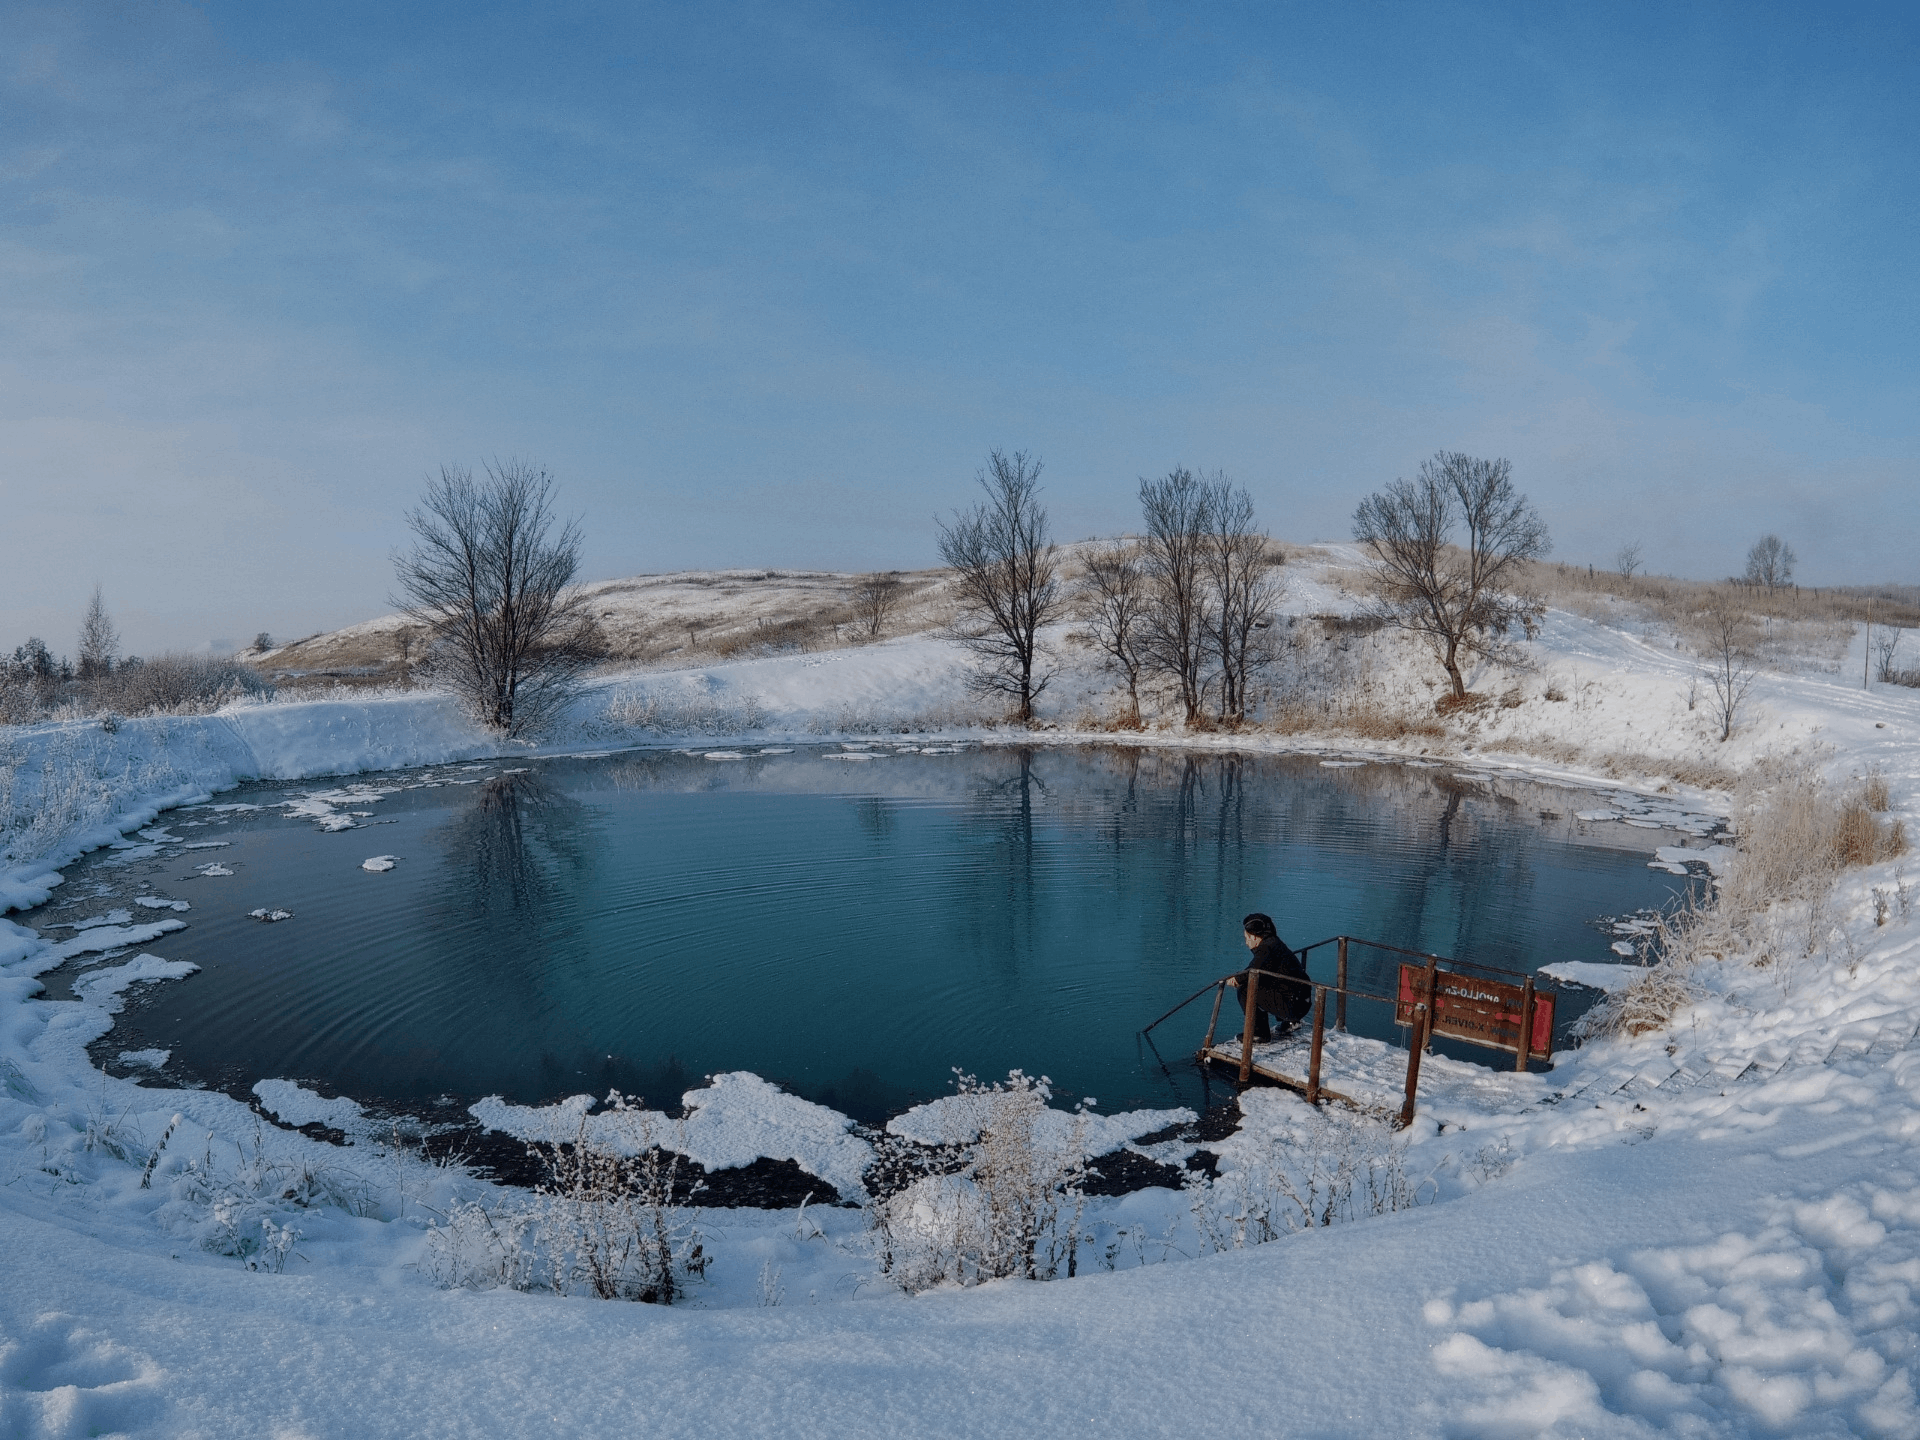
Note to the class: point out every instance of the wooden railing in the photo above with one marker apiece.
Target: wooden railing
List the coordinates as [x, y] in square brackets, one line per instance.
[1459, 1002]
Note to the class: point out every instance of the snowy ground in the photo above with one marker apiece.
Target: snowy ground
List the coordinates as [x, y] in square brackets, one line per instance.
[1713, 1230]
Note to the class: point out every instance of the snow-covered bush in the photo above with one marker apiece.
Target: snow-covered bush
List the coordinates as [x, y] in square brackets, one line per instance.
[610, 1221]
[1012, 1208]
[1326, 1170]
[175, 685]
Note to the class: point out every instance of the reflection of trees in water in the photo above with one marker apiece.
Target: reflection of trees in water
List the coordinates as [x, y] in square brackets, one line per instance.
[515, 861]
[999, 905]
[1413, 858]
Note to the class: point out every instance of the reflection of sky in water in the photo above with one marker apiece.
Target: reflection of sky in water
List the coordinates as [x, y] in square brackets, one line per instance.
[853, 931]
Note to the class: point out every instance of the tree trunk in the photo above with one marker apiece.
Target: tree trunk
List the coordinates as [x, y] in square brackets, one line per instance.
[1453, 670]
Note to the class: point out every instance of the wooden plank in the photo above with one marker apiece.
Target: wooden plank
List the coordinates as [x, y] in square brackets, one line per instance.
[1481, 1012]
[1292, 1082]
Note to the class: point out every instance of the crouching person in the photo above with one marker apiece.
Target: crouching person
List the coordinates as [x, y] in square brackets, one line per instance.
[1285, 992]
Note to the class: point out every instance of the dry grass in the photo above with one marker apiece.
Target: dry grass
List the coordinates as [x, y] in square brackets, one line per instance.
[1580, 588]
[1623, 765]
[1796, 834]
[1874, 793]
[1361, 719]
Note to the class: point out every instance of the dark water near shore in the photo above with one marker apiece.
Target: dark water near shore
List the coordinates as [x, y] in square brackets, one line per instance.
[851, 929]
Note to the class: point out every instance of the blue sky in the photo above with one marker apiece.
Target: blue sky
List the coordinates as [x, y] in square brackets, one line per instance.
[763, 284]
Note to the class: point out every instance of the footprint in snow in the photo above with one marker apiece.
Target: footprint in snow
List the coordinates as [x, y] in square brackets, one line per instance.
[379, 863]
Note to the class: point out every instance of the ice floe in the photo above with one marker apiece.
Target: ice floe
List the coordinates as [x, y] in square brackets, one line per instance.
[296, 1105]
[1593, 974]
[107, 987]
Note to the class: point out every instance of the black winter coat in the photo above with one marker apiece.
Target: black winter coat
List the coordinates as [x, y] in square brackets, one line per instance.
[1290, 998]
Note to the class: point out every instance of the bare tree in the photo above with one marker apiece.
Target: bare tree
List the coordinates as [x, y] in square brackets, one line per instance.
[1239, 563]
[488, 576]
[1885, 646]
[1627, 560]
[1731, 662]
[1770, 562]
[1004, 553]
[1173, 633]
[99, 641]
[1112, 599]
[1463, 596]
[875, 597]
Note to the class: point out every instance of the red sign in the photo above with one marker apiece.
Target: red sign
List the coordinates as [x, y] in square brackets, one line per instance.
[1481, 1012]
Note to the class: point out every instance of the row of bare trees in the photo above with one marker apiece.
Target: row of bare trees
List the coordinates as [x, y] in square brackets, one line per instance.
[1187, 604]
[1184, 603]
[1188, 601]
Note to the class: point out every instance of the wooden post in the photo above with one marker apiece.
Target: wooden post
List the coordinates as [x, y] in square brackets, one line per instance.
[1219, 994]
[1319, 1038]
[1433, 1008]
[1526, 1025]
[1414, 1043]
[1246, 1030]
[1340, 996]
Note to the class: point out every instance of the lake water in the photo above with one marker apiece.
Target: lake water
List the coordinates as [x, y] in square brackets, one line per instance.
[852, 928]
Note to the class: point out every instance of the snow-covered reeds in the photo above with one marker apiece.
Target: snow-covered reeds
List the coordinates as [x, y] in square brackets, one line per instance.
[851, 720]
[1013, 1207]
[611, 1221]
[1326, 1170]
[247, 1206]
[72, 782]
[1796, 832]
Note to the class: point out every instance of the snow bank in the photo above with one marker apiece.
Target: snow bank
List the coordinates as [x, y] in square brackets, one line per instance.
[736, 1119]
[957, 1120]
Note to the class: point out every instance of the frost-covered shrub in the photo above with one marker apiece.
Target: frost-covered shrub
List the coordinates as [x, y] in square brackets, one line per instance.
[176, 685]
[1326, 1171]
[1012, 1207]
[247, 1209]
[634, 710]
[75, 780]
[610, 1221]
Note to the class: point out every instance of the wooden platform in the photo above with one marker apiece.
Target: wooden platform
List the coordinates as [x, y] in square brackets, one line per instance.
[1371, 1072]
